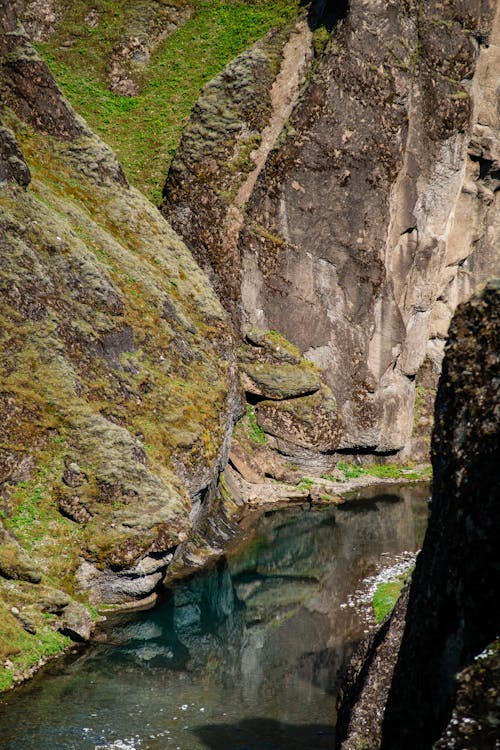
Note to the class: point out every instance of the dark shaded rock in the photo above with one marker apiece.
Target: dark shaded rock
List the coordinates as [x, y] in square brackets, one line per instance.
[73, 476]
[113, 345]
[72, 507]
[28, 87]
[475, 720]
[450, 614]
[13, 167]
[361, 701]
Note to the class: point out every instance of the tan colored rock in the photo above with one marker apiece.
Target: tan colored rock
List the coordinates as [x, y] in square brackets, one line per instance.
[245, 464]
[307, 422]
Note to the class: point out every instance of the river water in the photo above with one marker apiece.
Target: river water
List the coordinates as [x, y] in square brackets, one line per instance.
[245, 656]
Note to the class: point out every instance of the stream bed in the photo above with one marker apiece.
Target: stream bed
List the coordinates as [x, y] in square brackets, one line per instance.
[244, 656]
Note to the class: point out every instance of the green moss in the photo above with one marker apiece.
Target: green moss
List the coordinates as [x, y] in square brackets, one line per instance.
[386, 596]
[255, 433]
[305, 483]
[459, 96]
[170, 83]
[321, 37]
[24, 650]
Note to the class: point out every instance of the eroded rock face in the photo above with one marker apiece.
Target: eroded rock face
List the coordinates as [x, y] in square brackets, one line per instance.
[402, 691]
[119, 388]
[450, 618]
[375, 215]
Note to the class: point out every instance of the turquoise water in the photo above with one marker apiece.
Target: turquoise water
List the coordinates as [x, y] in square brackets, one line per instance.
[245, 656]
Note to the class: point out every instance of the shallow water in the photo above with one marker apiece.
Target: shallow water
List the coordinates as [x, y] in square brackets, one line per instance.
[245, 656]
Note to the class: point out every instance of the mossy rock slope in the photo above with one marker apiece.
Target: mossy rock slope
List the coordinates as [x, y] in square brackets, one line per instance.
[116, 391]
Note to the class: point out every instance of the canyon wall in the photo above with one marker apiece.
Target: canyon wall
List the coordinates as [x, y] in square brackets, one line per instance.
[117, 380]
[431, 673]
[368, 207]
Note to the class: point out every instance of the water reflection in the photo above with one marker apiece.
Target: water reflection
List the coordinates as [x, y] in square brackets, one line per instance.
[260, 635]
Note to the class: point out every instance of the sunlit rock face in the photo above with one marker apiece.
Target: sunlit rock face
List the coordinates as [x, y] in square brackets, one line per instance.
[450, 619]
[430, 675]
[374, 215]
[118, 391]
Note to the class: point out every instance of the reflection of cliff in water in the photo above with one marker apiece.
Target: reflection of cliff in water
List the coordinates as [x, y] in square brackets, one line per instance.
[270, 615]
[253, 645]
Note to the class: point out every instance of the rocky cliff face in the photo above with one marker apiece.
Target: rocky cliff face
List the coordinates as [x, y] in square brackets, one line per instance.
[117, 393]
[449, 623]
[356, 227]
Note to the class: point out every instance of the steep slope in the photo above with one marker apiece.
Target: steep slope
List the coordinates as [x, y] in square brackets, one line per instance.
[402, 692]
[374, 215]
[134, 68]
[117, 387]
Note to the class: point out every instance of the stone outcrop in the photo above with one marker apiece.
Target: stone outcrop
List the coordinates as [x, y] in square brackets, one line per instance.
[374, 215]
[450, 618]
[450, 625]
[118, 384]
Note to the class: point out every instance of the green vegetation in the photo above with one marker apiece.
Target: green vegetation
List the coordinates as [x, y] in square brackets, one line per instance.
[255, 432]
[321, 36]
[24, 650]
[386, 596]
[145, 130]
[350, 471]
[305, 483]
[382, 471]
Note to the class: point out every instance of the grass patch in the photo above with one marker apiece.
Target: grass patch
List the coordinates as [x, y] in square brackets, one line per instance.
[145, 130]
[254, 431]
[305, 483]
[385, 598]
[386, 595]
[381, 471]
[24, 650]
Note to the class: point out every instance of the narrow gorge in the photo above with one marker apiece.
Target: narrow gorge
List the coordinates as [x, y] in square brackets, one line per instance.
[248, 254]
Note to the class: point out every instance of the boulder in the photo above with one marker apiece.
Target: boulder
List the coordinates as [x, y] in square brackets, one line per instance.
[309, 422]
[279, 381]
[76, 623]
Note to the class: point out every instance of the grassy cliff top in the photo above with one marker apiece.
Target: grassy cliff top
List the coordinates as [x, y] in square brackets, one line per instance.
[166, 61]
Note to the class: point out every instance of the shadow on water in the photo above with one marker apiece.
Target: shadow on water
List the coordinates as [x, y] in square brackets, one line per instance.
[244, 656]
[325, 13]
[266, 734]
